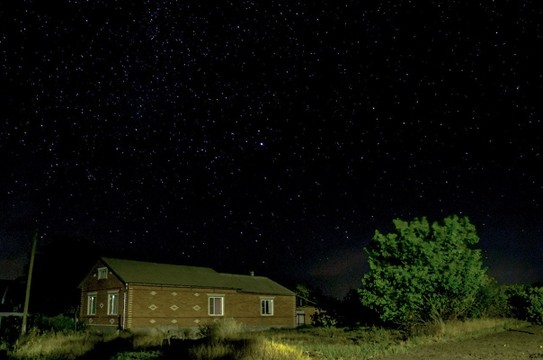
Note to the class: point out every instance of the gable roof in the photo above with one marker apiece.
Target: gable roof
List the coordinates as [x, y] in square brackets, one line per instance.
[131, 271]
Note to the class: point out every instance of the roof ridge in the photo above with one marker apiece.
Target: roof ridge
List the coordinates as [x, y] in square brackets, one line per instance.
[156, 263]
[244, 275]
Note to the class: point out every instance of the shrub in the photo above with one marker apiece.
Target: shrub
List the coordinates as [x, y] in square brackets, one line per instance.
[323, 319]
[10, 330]
[525, 302]
[57, 323]
[517, 299]
[535, 307]
[491, 302]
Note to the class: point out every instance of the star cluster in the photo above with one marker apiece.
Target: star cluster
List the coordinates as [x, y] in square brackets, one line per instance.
[272, 136]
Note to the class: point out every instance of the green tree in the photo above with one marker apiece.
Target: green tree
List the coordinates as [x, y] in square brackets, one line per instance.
[424, 272]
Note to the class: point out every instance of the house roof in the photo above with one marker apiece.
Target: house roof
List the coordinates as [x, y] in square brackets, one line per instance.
[131, 271]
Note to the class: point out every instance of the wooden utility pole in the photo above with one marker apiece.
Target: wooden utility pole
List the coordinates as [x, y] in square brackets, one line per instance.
[29, 281]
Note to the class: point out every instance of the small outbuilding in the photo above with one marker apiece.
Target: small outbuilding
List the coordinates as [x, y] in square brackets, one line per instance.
[129, 295]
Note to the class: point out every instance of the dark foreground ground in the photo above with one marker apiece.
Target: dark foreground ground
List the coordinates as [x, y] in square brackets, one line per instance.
[525, 343]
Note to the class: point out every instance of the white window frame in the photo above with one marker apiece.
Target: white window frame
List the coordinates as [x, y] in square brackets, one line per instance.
[212, 300]
[92, 299]
[113, 302]
[102, 273]
[266, 306]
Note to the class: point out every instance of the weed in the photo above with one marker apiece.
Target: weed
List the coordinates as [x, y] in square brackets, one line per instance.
[55, 345]
[226, 340]
[221, 329]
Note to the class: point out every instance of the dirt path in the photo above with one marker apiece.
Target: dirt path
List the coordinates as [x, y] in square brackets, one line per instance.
[525, 343]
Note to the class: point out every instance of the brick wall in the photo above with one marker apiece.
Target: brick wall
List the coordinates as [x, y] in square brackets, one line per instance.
[102, 287]
[170, 307]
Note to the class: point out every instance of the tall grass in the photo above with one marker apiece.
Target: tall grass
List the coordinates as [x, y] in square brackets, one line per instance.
[221, 329]
[367, 343]
[252, 348]
[54, 345]
[337, 343]
[459, 330]
[227, 340]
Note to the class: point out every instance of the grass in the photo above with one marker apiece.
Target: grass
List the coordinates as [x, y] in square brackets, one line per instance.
[55, 345]
[228, 340]
[250, 348]
[367, 343]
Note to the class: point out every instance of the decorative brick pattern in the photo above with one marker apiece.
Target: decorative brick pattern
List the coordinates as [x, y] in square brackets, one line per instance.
[101, 288]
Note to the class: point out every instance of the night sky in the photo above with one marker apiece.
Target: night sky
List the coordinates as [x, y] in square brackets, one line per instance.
[271, 136]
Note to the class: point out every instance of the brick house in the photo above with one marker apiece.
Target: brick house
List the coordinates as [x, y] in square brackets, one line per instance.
[127, 294]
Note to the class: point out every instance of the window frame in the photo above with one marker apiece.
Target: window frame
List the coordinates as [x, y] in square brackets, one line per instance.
[92, 304]
[102, 273]
[113, 302]
[267, 306]
[210, 307]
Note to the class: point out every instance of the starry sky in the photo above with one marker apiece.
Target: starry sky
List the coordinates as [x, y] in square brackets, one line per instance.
[271, 136]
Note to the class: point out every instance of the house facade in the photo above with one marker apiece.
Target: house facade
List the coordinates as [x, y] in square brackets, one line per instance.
[129, 295]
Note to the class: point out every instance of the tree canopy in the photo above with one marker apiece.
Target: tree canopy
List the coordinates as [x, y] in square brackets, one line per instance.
[423, 272]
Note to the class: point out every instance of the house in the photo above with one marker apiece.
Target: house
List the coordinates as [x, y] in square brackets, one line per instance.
[12, 294]
[130, 295]
[304, 315]
[305, 311]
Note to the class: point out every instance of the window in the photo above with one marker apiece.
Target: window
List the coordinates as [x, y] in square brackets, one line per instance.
[102, 273]
[112, 302]
[91, 304]
[266, 307]
[216, 305]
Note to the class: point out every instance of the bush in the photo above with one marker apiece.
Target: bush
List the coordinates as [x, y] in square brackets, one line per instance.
[10, 330]
[323, 319]
[535, 307]
[517, 299]
[526, 303]
[57, 323]
[491, 302]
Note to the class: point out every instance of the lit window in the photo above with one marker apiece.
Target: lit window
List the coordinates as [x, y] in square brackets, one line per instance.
[113, 303]
[102, 273]
[91, 304]
[216, 307]
[266, 307]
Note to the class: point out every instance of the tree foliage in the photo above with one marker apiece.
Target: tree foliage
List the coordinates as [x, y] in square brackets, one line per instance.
[526, 302]
[424, 272]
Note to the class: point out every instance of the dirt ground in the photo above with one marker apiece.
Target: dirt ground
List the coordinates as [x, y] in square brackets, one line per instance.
[525, 343]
